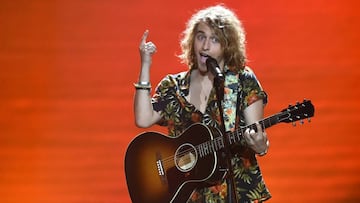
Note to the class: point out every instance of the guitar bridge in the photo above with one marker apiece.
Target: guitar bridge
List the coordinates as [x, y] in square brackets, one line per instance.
[160, 168]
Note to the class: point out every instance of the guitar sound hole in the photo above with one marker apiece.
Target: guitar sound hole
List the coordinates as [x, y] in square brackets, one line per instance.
[185, 157]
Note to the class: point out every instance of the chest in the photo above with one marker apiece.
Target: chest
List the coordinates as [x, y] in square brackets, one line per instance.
[199, 94]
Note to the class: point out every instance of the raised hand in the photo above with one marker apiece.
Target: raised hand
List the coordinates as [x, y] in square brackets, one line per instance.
[147, 49]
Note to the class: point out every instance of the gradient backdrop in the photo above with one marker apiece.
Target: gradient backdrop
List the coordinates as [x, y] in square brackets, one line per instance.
[67, 69]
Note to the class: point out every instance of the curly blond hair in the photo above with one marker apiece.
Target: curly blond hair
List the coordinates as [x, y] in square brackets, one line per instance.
[226, 26]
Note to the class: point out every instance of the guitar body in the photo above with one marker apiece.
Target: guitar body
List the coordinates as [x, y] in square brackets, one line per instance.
[163, 169]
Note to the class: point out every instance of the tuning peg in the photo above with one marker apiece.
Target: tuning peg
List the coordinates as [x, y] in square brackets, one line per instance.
[309, 119]
[301, 121]
[294, 124]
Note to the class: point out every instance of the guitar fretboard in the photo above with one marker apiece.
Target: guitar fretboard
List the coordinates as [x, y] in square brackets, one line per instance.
[288, 115]
[235, 137]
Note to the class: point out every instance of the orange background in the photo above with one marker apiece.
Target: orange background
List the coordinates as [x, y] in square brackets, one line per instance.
[66, 74]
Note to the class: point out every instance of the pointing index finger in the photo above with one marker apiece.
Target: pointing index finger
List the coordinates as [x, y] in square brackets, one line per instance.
[143, 39]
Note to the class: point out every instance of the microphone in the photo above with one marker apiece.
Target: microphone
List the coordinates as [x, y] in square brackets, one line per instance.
[214, 68]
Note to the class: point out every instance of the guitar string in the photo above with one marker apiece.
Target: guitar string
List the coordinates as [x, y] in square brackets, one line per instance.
[169, 161]
[239, 131]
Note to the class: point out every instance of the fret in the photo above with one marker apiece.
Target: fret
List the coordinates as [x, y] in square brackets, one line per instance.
[219, 142]
[212, 147]
[232, 138]
[205, 148]
[200, 150]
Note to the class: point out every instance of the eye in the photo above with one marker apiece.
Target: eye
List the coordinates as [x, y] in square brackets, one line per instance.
[215, 39]
[200, 37]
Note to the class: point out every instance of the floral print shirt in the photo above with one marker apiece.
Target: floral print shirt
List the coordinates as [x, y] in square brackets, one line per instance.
[240, 90]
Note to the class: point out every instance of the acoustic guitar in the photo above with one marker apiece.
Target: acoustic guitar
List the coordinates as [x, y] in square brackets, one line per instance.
[162, 169]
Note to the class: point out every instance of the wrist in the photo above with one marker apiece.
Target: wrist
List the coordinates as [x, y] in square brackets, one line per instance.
[263, 153]
[142, 85]
[266, 149]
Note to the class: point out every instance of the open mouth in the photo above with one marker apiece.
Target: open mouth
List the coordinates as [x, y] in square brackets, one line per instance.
[203, 57]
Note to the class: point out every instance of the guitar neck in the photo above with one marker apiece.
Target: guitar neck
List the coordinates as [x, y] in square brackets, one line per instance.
[219, 143]
[272, 120]
[289, 115]
[237, 135]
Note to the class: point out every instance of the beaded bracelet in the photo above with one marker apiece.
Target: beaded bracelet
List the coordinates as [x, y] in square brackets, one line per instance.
[142, 86]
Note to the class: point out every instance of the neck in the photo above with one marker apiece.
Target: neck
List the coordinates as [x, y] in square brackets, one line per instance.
[202, 76]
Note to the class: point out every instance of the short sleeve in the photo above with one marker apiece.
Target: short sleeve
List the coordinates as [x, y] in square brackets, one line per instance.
[251, 88]
[159, 100]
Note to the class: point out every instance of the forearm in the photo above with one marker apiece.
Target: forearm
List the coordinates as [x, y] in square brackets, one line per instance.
[145, 116]
[143, 110]
[258, 141]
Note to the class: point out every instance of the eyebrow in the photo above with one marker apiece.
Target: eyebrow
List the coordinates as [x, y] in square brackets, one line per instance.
[203, 32]
[199, 31]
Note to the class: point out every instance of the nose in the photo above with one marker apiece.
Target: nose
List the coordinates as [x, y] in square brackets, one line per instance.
[206, 45]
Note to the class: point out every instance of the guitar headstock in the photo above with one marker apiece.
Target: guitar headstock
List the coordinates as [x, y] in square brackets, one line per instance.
[300, 111]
